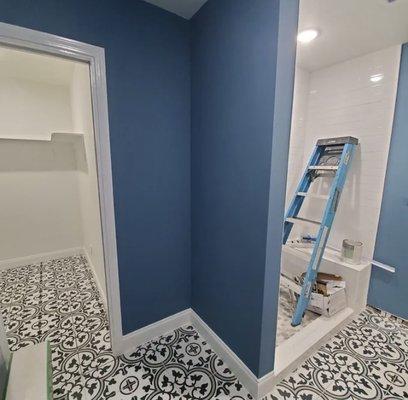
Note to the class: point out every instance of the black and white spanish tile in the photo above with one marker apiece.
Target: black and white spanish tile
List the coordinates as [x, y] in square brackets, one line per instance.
[367, 360]
[58, 301]
[180, 365]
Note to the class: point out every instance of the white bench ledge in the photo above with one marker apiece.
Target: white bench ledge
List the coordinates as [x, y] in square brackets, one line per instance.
[29, 376]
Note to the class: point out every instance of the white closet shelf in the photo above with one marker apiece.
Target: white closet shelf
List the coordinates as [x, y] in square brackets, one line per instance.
[53, 137]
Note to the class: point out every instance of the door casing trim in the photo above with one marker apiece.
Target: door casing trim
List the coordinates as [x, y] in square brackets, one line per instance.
[28, 39]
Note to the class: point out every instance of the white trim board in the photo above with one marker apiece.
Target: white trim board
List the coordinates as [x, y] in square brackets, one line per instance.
[15, 36]
[35, 258]
[241, 371]
[257, 387]
[159, 328]
[101, 289]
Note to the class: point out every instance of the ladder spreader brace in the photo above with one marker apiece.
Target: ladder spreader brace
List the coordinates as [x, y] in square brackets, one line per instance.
[329, 156]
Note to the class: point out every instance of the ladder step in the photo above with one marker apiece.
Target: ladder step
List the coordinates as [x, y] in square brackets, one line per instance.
[313, 195]
[324, 167]
[294, 220]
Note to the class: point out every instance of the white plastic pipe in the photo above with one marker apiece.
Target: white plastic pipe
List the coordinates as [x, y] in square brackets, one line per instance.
[383, 266]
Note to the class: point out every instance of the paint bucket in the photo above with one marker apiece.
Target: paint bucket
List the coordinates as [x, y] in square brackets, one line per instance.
[352, 251]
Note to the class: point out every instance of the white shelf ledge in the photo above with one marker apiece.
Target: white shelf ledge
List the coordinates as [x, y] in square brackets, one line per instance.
[53, 136]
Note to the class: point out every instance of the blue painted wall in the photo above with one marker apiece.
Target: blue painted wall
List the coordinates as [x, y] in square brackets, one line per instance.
[148, 77]
[390, 291]
[285, 76]
[234, 49]
[222, 68]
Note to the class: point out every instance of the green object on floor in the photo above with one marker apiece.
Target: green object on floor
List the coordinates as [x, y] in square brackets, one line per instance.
[49, 372]
[7, 377]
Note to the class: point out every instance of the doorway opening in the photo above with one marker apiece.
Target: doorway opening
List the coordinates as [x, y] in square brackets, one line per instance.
[58, 263]
[345, 86]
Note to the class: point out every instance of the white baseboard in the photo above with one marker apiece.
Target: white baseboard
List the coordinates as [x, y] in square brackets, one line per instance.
[159, 328]
[256, 387]
[101, 289]
[34, 258]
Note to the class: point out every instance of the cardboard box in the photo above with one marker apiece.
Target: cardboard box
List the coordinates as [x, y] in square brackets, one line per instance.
[328, 301]
[328, 305]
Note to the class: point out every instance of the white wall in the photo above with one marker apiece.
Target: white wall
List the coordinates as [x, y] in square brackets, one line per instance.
[49, 194]
[87, 173]
[44, 107]
[38, 184]
[298, 130]
[39, 199]
[343, 101]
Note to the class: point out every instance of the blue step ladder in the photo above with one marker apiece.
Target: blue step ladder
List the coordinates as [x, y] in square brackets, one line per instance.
[331, 157]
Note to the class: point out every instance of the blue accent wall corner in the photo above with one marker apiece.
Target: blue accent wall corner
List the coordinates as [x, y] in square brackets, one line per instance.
[148, 75]
[234, 55]
[193, 135]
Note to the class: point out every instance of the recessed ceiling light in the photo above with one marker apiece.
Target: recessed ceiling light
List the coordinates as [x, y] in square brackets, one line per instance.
[307, 35]
[376, 77]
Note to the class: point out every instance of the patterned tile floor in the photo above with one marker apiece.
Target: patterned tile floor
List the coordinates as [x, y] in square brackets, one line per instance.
[59, 301]
[367, 360]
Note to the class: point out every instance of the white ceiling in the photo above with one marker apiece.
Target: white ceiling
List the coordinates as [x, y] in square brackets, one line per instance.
[184, 8]
[350, 28]
[35, 67]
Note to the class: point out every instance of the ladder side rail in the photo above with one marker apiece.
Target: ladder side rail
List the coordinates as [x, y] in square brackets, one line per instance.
[323, 235]
[303, 186]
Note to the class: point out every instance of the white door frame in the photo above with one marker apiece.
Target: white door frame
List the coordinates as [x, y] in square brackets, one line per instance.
[46, 43]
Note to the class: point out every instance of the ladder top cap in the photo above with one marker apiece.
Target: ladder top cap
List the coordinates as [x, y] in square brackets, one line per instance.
[337, 141]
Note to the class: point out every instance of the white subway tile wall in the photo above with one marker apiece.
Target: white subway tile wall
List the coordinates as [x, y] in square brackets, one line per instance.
[298, 131]
[342, 100]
